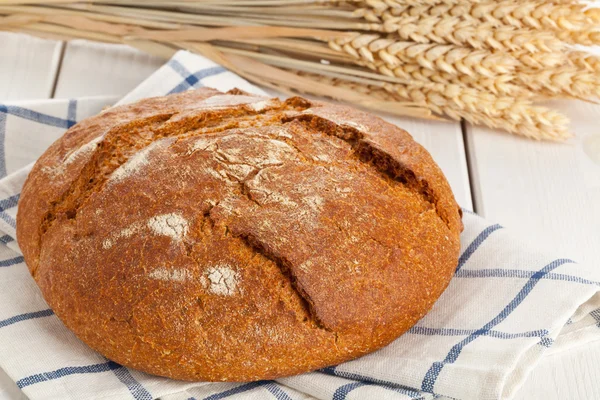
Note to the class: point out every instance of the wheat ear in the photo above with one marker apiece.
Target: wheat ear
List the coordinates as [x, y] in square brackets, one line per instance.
[520, 14]
[585, 61]
[474, 33]
[563, 81]
[516, 115]
[385, 55]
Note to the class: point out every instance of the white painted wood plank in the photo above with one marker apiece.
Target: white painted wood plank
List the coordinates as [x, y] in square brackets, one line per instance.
[571, 375]
[96, 69]
[28, 66]
[9, 389]
[550, 194]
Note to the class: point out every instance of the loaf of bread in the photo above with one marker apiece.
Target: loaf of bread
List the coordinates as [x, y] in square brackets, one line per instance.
[229, 237]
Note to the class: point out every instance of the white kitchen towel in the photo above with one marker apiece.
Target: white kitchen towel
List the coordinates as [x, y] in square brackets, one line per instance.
[507, 306]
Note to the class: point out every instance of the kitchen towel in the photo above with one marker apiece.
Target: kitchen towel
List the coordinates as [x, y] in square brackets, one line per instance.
[507, 306]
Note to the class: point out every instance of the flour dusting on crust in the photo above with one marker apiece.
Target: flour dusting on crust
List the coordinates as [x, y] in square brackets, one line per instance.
[84, 151]
[126, 232]
[172, 225]
[134, 165]
[222, 280]
[170, 274]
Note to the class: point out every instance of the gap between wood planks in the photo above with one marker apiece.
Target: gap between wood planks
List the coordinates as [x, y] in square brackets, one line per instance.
[63, 47]
[471, 170]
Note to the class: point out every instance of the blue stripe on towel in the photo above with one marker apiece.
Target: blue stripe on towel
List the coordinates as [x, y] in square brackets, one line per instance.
[342, 391]
[12, 261]
[7, 203]
[59, 373]
[137, 390]
[519, 273]
[464, 257]
[420, 330]
[6, 239]
[236, 390]
[276, 391]
[72, 112]
[42, 118]
[434, 371]
[385, 384]
[25, 317]
[191, 79]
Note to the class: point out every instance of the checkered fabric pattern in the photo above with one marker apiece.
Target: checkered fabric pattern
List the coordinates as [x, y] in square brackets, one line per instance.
[507, 306]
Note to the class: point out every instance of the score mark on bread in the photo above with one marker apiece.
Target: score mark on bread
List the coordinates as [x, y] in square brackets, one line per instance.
[212, 236]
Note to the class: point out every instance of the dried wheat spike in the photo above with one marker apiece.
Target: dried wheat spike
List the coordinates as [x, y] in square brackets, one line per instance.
[515, 115]
[586, 37]
[382, 5]
[528, 14]
[584, 60]
[565, 81]
[471, 32]
[501, 84]
[385, 55]
[449, 58]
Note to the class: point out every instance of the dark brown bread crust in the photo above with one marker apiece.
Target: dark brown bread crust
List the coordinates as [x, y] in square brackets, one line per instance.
[210, 236]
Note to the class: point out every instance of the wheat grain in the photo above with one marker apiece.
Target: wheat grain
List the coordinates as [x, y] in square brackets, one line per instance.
[586, 37]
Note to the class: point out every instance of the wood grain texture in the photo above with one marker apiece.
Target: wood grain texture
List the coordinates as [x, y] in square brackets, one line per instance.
[95, 69]
[28, 66]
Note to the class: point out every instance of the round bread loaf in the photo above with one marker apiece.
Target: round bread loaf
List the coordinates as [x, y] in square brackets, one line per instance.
[229, 237]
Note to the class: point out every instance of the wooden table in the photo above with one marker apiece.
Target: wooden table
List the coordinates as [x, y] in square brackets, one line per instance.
[548, 193]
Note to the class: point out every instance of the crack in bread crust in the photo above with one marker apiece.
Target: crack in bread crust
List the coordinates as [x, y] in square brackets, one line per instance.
[366, 153]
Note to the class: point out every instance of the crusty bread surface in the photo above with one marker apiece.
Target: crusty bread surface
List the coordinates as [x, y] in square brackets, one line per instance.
[230, 237]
